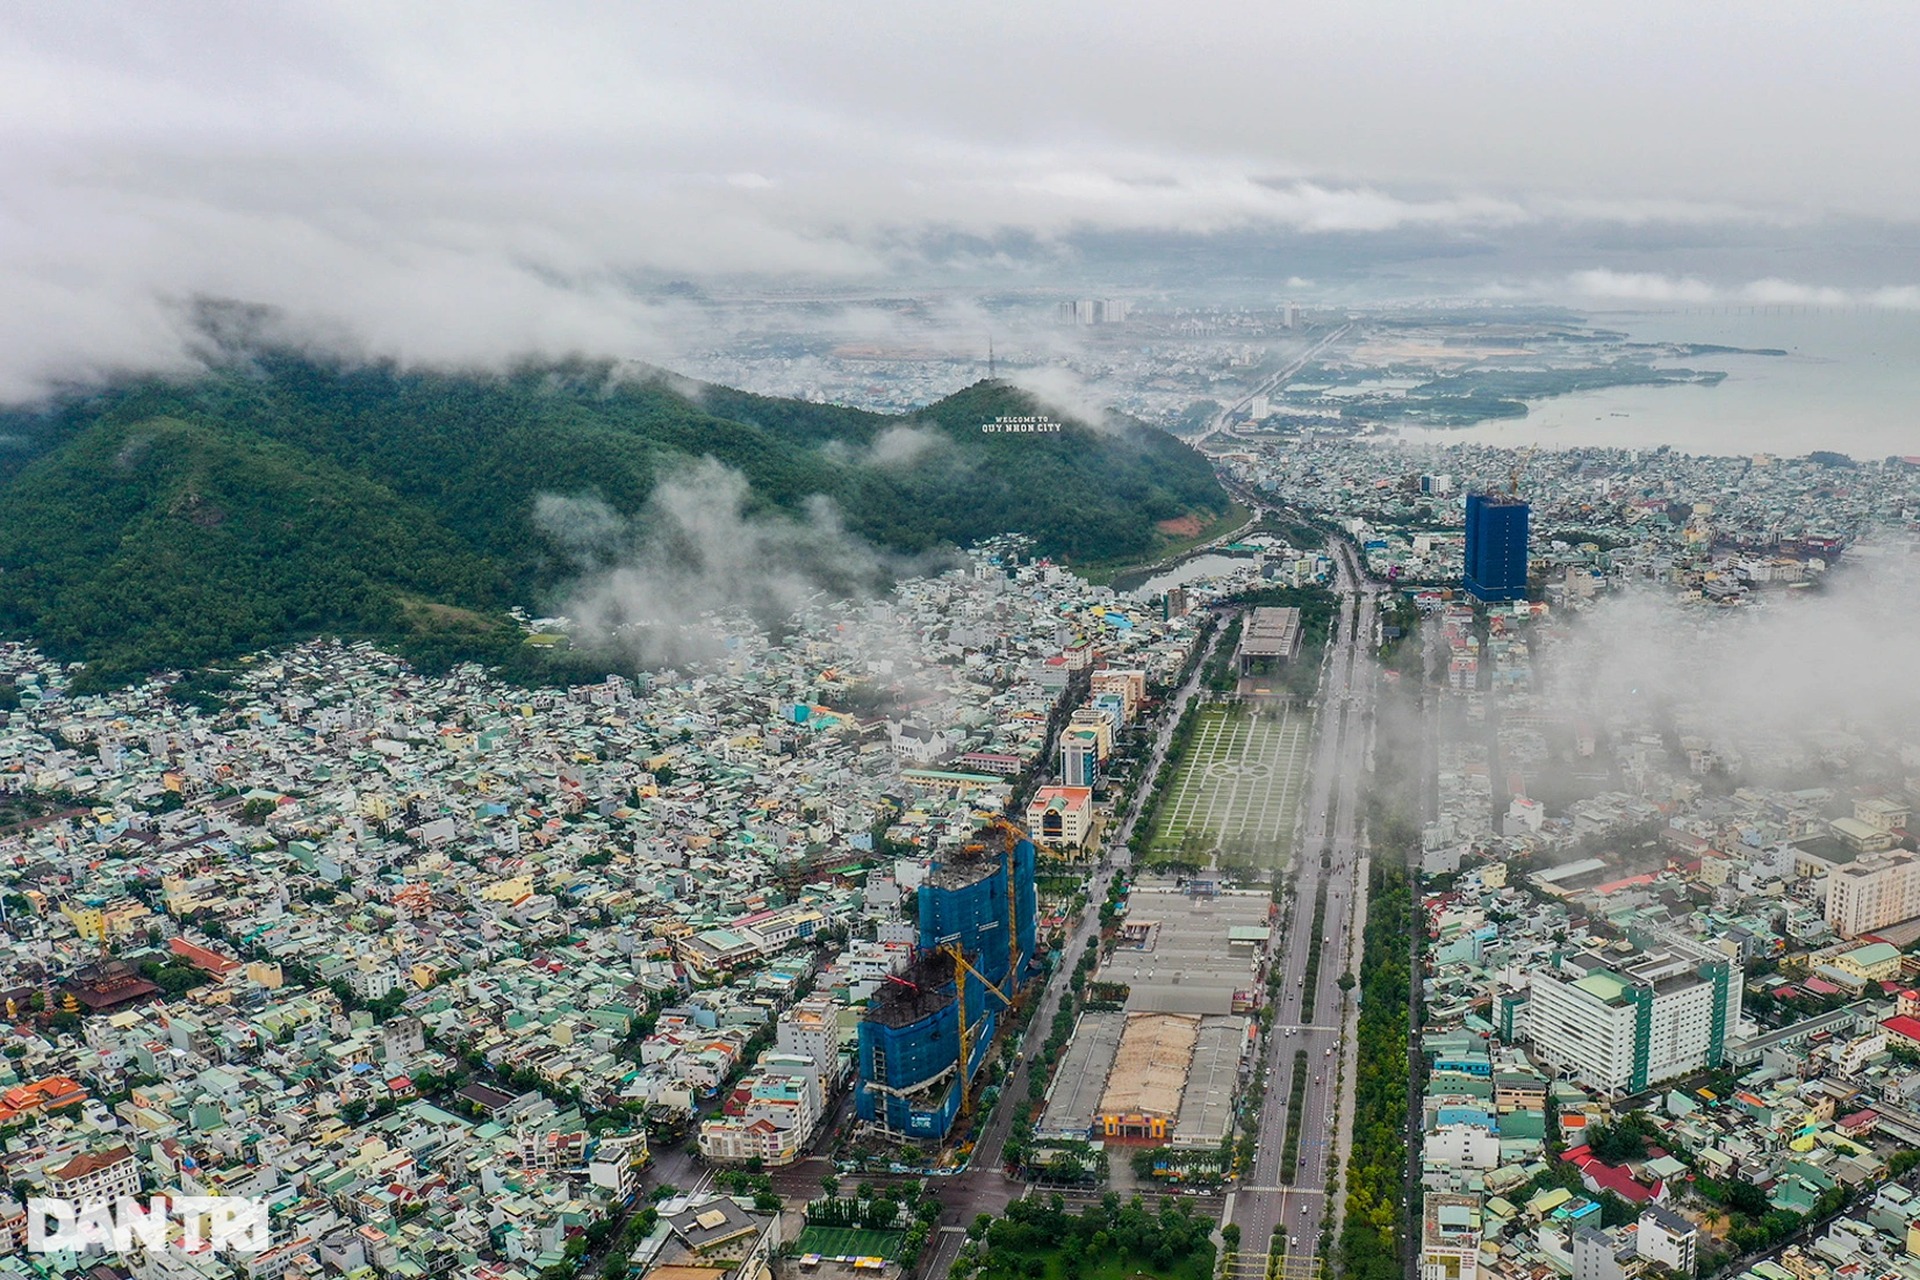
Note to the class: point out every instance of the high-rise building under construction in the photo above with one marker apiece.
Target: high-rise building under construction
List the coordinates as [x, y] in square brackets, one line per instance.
[928, 1029]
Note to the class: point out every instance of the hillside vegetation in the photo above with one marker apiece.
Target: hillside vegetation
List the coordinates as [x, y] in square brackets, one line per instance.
[164, 524]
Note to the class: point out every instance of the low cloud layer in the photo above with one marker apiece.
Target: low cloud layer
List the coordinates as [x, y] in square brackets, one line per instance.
[470, 192]
[664, 588]
[1801, 674]
[1606, 285]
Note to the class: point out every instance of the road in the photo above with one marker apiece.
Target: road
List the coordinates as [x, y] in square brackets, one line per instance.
[984, 1187]
[1269, 385]
[1263, 1203]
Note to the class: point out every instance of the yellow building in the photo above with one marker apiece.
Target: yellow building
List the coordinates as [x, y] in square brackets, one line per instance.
[1875, 962]
[512, 890]
[111, 922]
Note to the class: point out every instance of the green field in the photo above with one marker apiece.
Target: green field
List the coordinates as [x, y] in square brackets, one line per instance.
[850, 1242]
[1238, 785]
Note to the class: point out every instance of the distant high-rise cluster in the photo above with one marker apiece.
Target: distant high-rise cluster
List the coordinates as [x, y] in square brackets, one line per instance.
[1496, 567]
[1095, 311]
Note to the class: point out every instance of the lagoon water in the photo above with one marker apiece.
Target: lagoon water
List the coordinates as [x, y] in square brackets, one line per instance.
[1850, 383]
[1204, 565]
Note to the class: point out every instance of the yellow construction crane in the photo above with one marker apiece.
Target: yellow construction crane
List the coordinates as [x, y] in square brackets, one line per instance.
[961, 968]
[1519, 468]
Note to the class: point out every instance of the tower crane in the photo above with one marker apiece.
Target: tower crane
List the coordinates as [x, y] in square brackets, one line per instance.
[961, 968]
[1519, 468]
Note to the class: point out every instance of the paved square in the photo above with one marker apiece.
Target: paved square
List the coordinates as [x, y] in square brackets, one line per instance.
[1239, 784]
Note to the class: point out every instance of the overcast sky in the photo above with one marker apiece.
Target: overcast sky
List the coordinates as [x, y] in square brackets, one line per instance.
[469, 181]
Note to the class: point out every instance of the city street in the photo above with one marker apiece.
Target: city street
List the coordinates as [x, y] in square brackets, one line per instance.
[1263, 1202]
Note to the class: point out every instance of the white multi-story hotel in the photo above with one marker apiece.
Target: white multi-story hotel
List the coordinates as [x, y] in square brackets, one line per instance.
[1625, 1023]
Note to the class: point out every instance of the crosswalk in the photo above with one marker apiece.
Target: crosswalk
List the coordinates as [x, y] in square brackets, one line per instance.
[1270, 1266]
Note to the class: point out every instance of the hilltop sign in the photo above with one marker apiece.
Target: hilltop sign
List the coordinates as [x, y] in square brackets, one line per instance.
[1017, 425]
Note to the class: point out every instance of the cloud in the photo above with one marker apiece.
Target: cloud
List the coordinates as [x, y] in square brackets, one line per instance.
[666, 587]
[1653, 287]
[1775, 684]
[1065, 392]
[1640, 286]
[505, 187]
[902, 446]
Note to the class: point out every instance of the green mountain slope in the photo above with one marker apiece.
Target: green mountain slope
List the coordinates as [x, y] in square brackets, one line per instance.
[171, 524]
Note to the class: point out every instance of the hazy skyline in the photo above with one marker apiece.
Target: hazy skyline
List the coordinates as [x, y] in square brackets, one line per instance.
[465, 185]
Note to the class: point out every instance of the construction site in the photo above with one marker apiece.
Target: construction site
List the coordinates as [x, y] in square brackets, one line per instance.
[928, 1029]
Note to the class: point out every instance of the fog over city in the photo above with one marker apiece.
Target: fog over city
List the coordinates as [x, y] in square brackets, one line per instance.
[785, 640]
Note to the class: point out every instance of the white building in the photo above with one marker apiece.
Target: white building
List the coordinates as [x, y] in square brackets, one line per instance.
[1668, 1239]
[1449, 1237]
[1626, 1026]
[811, 1030]
[371, 979]
[1461, 1146]
[1873, 892]
[1594, 1254]
[770, 1117]
[96, 1178]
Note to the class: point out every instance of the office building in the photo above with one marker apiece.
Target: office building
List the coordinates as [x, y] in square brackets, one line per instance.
[1873, 893]
[1496, 564]
[1079, 758]
[1061, 817]
[1449, 1237]
[1624, 1025]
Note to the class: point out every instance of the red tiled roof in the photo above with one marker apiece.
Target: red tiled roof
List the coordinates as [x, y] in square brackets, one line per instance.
[1610, 1177]
[202, 959]
[92, 1162]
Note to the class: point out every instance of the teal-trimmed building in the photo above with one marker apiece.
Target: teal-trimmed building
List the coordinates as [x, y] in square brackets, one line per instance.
[1624, 1023]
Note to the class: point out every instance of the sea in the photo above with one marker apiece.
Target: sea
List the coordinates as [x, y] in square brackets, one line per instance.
[1849, 383]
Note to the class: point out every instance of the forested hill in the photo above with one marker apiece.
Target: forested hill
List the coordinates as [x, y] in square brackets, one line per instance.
[168, 524]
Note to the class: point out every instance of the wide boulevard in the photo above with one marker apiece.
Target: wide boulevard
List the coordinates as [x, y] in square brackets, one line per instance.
[1330, 821]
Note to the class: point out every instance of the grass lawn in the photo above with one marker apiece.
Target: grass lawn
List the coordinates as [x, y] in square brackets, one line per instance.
[851, 1242]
